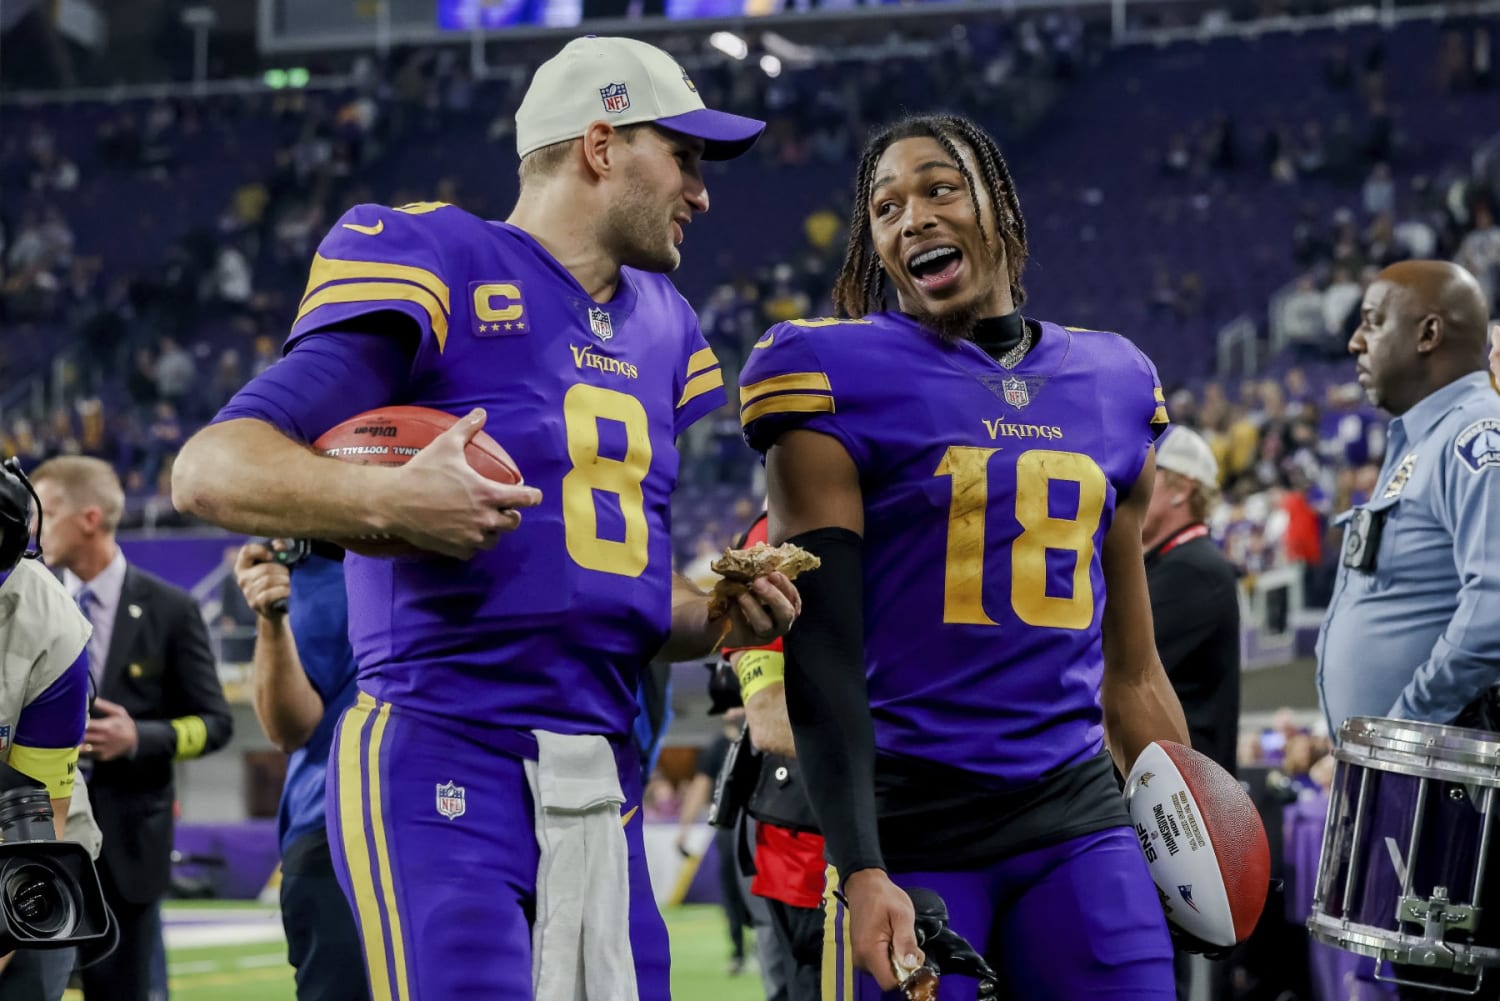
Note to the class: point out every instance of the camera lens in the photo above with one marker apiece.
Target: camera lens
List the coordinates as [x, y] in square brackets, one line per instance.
[37, 901]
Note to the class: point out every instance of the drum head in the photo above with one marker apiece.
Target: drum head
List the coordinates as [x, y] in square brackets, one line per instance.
[1421, 748]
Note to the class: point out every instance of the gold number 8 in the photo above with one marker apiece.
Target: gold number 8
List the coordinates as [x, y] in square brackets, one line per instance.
[584, 407]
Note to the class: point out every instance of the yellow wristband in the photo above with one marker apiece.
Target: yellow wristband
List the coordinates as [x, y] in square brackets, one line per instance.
[759, 669]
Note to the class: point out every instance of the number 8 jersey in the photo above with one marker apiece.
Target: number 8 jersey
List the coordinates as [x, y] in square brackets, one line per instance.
[550, 628]
[987, 494]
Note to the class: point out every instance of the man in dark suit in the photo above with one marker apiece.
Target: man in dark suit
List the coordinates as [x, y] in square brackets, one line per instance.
[159, 701]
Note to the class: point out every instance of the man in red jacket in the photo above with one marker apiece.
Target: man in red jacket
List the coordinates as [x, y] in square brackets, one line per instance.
[790, 871]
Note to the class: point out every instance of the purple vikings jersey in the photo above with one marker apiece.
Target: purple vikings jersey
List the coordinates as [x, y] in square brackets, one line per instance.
[549, 629]
[987, 495]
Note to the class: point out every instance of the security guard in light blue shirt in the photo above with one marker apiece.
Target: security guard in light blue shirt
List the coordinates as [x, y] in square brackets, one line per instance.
[1413, 630]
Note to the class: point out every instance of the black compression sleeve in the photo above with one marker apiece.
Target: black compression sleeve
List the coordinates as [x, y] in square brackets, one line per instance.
[827, 701]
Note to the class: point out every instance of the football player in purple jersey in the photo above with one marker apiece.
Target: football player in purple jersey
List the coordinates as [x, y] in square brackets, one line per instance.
[484, 775]
[960, 689]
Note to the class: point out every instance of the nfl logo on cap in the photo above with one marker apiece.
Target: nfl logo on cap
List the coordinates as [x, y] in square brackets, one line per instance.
[616, 98]
[450, 800]
[600, 323]
[1015, 392]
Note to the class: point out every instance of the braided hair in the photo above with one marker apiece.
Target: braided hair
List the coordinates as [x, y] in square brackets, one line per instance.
[860, 286]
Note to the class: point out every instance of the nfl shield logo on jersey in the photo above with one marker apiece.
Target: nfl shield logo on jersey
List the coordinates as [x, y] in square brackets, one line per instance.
[600, 323]
[616, 98]
[4, 736]
[1015, 392]
[450, 800]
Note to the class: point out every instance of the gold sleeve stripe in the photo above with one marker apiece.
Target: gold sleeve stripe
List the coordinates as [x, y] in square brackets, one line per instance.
[332, 269]
[192, 736]
[53, 767]
[1160, 417]
[792, 403]
[698, 385]
[701, 361]
[376, 292]
[792, 381]
[1159, 395]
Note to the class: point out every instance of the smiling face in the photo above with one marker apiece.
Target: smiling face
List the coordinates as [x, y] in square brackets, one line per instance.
[660, 187]
[945, 261]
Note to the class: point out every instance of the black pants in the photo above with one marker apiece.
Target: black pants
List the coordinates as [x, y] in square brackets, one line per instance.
[799, 939]
[125, 974]
[1219, 977]
[729, 888]
[321, 941]
[37, 975]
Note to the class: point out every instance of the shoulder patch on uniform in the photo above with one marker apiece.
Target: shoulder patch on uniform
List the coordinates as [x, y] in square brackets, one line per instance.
[1478, 445]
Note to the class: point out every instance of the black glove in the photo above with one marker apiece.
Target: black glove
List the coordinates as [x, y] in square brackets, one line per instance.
[947, 951]
[1186, 942]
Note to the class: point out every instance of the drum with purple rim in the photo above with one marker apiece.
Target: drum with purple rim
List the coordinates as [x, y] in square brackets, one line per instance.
[1402, 873]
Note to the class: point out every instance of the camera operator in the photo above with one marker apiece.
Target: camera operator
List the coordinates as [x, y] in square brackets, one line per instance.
[43, 711]
[304, 679]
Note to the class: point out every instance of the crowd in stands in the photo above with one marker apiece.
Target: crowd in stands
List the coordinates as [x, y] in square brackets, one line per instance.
[144, 326]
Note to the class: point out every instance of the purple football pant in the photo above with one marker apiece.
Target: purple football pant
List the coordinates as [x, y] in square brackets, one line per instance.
[443, 882]
[1079, 921]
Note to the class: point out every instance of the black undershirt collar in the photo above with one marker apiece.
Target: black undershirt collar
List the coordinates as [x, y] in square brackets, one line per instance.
[996, 335]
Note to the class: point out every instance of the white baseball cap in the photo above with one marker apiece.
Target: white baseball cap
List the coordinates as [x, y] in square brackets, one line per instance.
[1183, 451]
[623, 81]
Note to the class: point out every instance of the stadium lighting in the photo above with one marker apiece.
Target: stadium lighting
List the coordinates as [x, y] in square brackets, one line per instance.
[730, 44]
[275, 79]
[770, 65]
[787, 51]
[297, 76]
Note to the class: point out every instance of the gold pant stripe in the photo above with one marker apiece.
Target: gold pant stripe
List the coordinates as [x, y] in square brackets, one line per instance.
[357, 850]
[837, 968]
[383, 854]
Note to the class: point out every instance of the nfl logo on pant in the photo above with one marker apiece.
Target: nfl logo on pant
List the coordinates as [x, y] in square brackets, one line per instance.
[450, 800]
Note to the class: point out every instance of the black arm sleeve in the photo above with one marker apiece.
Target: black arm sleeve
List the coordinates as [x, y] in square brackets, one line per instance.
[827, 701]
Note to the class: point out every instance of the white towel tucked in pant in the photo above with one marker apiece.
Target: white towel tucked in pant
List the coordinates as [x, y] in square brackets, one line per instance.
[580, 944]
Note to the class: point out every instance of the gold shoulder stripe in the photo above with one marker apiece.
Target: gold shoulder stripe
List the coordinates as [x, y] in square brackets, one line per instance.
[376, 292]
[791, 403]
[1160, 396]
[829, 321]
[784, 384]
[330, 269]
[700, 360]
[1080, 330]
[698, 385]
[1160, 417]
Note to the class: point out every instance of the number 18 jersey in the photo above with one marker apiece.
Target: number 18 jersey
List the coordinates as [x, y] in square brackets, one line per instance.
[987, 493]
